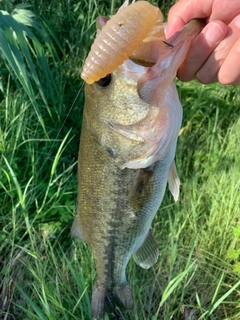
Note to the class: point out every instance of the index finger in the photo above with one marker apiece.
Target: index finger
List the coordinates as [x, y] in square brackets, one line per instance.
[186, 10]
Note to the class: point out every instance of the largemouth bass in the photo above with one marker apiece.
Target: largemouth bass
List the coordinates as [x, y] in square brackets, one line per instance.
[131, 122]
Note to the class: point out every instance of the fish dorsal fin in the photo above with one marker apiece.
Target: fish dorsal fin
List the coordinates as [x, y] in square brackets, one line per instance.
[76, 230]
[148, 253]
[173, 181]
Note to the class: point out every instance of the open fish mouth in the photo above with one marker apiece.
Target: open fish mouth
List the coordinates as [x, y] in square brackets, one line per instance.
[147, 131]
[130, 72]
[159, 127]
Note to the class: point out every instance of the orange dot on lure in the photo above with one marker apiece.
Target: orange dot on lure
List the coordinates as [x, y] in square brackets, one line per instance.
[120, 37]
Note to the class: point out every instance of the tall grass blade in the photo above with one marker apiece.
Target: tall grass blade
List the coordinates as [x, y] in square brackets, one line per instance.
[172, 285]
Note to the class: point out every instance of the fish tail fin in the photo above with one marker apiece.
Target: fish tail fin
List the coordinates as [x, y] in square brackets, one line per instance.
[98, 302]
[123, 296]
[105, 300]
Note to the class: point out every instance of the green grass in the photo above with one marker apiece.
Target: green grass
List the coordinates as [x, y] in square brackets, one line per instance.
[43, 273]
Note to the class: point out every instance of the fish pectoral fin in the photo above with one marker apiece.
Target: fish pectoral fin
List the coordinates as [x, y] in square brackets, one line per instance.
[173, 181]
[76, 230]
[148, 253]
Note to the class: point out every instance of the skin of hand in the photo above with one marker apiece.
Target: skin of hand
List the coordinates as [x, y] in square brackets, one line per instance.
[215, 53]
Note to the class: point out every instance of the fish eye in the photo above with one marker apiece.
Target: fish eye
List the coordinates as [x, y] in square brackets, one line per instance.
[104, 82]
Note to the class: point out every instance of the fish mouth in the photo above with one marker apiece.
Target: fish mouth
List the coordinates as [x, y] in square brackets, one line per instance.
[157, 131]
[130, 72]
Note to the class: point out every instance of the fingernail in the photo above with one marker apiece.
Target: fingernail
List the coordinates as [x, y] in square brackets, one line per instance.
[214, 32]
[236, 21]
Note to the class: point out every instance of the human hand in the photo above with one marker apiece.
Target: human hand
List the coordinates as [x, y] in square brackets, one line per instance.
[215, 53]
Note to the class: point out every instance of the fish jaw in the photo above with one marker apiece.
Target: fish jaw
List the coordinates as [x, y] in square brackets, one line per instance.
[160, 128]
[171, 56]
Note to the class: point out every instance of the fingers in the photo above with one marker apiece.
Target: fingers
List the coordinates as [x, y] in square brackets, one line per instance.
[201, 49]
[184, 11]
[215, 53]
[223, 64]
[173, 26]
[229, 72]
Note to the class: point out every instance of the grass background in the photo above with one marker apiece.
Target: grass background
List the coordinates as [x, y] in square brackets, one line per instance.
[43, 273]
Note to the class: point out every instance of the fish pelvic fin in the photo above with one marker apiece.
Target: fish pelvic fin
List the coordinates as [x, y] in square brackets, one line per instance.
[148, 253]
[105, 300]
[76, 229]
[174, 181]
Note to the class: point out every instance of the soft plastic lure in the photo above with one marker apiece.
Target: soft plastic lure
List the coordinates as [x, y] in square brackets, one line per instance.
[130, 27]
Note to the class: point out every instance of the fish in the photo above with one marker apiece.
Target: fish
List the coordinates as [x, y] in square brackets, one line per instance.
[131, 121]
